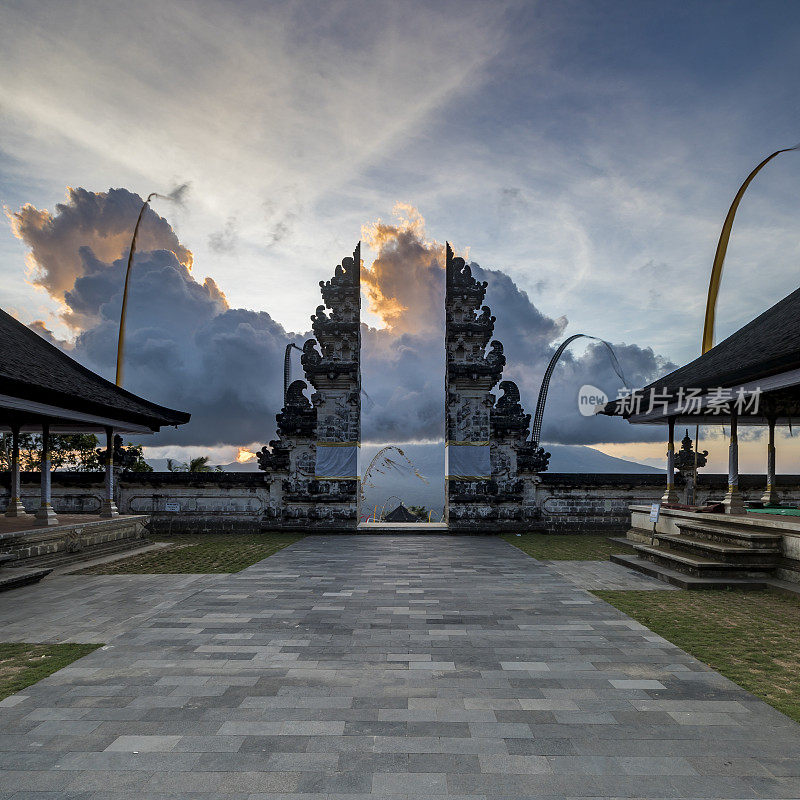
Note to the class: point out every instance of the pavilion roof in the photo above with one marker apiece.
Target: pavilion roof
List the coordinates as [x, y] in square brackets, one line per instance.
[35, 375]
[400, 514]
[764, 353]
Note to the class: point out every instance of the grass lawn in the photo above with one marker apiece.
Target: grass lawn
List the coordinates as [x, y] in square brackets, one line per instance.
[22, 664]
[750, 637]
[570, 547]
[200, 554]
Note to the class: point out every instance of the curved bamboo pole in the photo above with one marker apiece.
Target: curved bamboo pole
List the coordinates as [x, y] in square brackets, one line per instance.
[722, 248]
[121, 339]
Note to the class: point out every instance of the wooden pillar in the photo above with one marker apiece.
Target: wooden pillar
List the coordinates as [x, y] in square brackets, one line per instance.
[670, 495]
[45, 512]
[108, 509]
[15, 507]
[733, 499]
[770, 497]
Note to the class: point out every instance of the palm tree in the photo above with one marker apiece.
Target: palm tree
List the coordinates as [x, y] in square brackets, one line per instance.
[199, 464]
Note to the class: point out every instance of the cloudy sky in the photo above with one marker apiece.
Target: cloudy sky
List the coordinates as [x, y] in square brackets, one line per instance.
[583, 154]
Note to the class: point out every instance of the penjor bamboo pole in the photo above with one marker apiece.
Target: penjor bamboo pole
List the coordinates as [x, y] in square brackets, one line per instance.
[722, 248]
[716, 275]
[121, 339]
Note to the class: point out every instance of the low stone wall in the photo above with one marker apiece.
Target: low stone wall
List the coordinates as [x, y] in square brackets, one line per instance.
[245, 501]
[78, 538]
[212, 502]
[599, 503]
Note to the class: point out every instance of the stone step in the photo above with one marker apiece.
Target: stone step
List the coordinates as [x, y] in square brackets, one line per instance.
[62, 558]
[620, 540]
[14, 577]
[698, 566]
[5, 558]
[753, 537]
[681, 579]
[730, 554]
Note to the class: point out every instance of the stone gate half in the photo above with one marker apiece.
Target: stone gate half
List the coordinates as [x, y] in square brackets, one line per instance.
[490, 466]
[313, 463]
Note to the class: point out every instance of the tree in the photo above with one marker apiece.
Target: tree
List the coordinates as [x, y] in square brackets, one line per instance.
[200, 464]
[137, 462]
[420, 512]
[75, 451]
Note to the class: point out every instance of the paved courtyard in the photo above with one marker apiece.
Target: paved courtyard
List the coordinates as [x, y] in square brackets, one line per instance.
[376, 666]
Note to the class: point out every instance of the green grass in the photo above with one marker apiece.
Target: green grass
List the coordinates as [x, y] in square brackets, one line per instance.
[571, 547]
[200, 554]
[750, 637]
[23, 664]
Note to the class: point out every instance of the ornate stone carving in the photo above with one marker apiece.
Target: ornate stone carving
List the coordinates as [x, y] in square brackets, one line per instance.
[475, 364]
[685, 457]
[532, 458]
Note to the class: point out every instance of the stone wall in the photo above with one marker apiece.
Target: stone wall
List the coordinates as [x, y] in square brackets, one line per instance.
[247, 501]
[212, 502]
[75, 539]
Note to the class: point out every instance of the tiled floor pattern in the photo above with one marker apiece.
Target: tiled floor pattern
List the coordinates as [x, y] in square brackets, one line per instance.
[375, 666]
[601, 575]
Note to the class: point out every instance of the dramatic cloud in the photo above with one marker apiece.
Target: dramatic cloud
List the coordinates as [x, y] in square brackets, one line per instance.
[403, 363]
[101, 221]
[186, 348]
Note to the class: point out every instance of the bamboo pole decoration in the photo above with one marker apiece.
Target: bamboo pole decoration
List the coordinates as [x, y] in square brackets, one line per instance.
[716, 274]
[722, 248]
[121, 339]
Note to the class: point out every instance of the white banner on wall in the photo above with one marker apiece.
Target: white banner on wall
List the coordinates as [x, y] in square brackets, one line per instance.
[467, 461]
[337, 461]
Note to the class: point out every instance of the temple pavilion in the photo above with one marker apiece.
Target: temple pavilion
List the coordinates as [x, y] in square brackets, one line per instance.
[44, 391]
[752, 378]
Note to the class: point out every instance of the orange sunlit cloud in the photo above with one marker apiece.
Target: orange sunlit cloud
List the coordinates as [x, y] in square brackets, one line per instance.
[244, 455]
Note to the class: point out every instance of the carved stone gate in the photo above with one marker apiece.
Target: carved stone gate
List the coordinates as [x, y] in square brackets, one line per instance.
[490, 466]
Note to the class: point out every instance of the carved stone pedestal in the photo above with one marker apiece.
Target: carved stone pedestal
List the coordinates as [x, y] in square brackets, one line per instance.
[15, 508]
[733, 501]
[46, 515]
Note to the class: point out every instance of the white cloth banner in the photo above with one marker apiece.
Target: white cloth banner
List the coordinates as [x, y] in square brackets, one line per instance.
[467, 461]
[337, 461]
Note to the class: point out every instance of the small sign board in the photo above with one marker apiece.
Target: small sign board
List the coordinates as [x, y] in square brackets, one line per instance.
[171, 505]
[655, 510]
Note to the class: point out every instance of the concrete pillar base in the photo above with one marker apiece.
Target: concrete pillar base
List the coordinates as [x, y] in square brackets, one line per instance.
[733, 501]
[47, 515]
[109, 509]
[15, 508]
[771, 497]
[670, 496]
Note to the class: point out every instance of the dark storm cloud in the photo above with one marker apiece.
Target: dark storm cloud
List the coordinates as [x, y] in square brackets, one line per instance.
[186, 348]
[403, 364]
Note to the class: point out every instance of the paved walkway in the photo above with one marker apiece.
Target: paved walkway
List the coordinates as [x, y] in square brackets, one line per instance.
[419, 667]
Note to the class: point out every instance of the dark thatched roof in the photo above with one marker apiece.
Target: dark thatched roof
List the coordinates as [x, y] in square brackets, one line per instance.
[32, 369]
[767, 346]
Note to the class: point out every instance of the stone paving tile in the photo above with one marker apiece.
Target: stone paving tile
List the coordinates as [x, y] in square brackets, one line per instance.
[358, 667]
[84, 608]
[604, 575]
